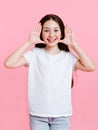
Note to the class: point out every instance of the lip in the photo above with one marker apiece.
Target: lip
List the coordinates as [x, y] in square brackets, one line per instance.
[52, 39]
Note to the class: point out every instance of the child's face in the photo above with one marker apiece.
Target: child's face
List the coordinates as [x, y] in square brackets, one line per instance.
[51, 33]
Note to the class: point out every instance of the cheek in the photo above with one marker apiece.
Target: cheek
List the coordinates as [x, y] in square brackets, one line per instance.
[59, 35]
[44, 35]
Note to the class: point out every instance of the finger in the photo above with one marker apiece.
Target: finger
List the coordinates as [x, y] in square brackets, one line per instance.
[35, 28]
[39, 28]
[40, 41]
[65, 28]
[73, 36]
[70, 30]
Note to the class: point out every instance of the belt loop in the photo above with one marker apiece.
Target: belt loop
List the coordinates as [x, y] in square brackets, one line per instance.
[50, 119]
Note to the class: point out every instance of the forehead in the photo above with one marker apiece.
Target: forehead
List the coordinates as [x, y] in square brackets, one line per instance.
[51, 24]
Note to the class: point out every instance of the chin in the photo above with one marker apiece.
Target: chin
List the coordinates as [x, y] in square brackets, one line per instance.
[52, 43]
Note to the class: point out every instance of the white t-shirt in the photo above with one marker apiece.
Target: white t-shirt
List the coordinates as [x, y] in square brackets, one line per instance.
[49, 82]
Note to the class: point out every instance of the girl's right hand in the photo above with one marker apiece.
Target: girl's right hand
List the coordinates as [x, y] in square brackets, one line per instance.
[34, 37]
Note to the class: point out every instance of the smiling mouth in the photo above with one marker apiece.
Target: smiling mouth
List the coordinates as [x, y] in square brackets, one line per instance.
[51, 40]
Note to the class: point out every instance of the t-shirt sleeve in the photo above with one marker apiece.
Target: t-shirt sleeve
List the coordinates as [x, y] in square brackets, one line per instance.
[29, 55]
[73, 58]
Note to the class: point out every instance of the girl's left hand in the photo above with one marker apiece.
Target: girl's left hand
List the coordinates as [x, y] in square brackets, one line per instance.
[69, 37]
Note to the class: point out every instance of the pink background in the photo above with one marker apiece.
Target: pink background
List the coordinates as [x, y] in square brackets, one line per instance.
[16, 21]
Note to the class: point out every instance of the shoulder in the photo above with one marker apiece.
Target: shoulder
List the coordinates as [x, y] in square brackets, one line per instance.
[70, 57]
[67, 54]
[36, 49]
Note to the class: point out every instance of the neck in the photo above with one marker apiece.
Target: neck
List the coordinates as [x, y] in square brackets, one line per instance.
[52, 50]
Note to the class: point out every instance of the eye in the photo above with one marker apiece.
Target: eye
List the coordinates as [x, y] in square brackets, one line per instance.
[56, 30]
[46, 30]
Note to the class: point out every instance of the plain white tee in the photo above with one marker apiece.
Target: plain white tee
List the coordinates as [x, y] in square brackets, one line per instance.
[49, 82]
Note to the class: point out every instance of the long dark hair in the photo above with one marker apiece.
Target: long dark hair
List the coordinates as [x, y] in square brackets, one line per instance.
[59, 21]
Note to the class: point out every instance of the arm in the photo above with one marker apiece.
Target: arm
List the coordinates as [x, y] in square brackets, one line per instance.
[84, 62]
[16, 59]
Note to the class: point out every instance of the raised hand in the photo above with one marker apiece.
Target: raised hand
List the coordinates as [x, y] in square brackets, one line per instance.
[69, 37]
[35, 34]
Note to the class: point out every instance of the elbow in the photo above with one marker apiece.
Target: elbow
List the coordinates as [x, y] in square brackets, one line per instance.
[92, 68]
[7, 65]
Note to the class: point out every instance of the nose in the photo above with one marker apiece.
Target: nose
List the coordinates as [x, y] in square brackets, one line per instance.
[51, 33]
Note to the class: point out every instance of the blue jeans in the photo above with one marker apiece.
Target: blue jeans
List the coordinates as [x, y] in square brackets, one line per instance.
[45, 123]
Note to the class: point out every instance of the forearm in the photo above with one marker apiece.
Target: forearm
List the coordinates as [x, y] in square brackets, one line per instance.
[16, 55]
[85, 60]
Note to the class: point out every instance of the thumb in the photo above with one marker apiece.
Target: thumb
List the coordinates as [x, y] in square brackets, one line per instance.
[40, 41]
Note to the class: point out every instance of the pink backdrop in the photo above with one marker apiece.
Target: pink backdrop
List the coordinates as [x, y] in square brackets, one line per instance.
[16, 21]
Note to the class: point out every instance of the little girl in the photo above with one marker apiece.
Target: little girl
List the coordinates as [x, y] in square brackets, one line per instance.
[50, 65]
